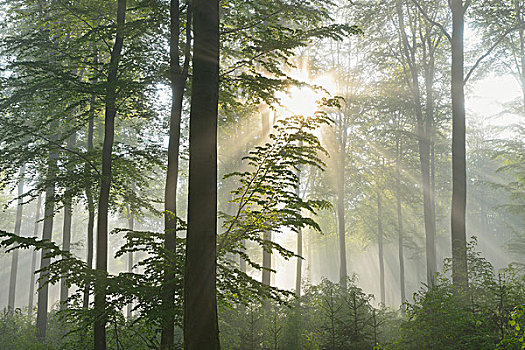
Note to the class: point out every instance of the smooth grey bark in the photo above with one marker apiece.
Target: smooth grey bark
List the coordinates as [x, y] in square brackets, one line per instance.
[267, 235]
[459, 173]
[340, 202]
[400, 233]
[424, 132]
[33, 259]
[380, 247]
[105, 181]
[200, 294]
[178, 75]
[66, 231]
[47, 231]
[89, 194]
[14, 257]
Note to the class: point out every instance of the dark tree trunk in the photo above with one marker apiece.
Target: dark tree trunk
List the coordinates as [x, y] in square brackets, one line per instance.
[89, 194]
[105, 181]
[131, 227]
[459, 178]
[33, 259]
[14, 258]
[200, 295]
[47, 231]
[178, 76]
[66, 244]
[66, 232]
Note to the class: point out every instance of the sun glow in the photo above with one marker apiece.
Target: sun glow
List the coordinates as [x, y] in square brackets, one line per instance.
[304, 100]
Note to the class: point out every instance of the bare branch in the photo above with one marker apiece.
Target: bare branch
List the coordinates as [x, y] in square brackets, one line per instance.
[486, 54]
[427, 17]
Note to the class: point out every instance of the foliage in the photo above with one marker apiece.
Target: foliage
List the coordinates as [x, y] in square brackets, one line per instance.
[477, 318]
[266, 199]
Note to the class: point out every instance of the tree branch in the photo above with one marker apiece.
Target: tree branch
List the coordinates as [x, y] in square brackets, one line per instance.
[251, 25]
[486, 54]
[427, 17]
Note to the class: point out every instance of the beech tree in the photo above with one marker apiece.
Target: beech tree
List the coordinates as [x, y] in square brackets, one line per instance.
[200, 296]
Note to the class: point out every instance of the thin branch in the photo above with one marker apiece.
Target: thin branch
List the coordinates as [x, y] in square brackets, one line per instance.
[466, 5]
[248, 26]
[427, 17]
[489, 51]
[68, 150]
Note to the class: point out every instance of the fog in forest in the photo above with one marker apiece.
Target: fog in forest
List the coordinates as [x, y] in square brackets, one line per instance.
[262, 175]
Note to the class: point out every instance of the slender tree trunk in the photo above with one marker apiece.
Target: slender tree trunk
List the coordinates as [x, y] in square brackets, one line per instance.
[33, 259]
[66, 232]
[459, 179]
[424, 149]
[89, 194]
[299, 266]
[178, 77]
[428, 164]
[400, 226]
[267, 235]
[131, 227]
[105, 181]
[14, 258]
[200, 294]
[380, 247]
[47, 231]
[66, 244]
[520, 13]
[242, 262]
[340, 204]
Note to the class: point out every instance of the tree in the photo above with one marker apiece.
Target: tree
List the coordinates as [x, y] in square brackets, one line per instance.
[14, 260]
[430, 41]
[200, 299]
[66, 230]
[105, 183]
[33, 258]
[47, 230]
[459, 166]
[178, 75]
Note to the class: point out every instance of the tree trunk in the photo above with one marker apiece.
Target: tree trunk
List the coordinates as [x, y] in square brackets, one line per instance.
[33, 259]
[66, 232]
[340, 204]
[89, 194]
[400, 226]
[521, 24]
[14, 259]
[459, 179]
[424, 149]
[178, 76]
[299, 266]
[66, 244]
[380, 247]
[105, 181]
[47, 231]
[131, 227]
[267, 235]
[200, 295]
